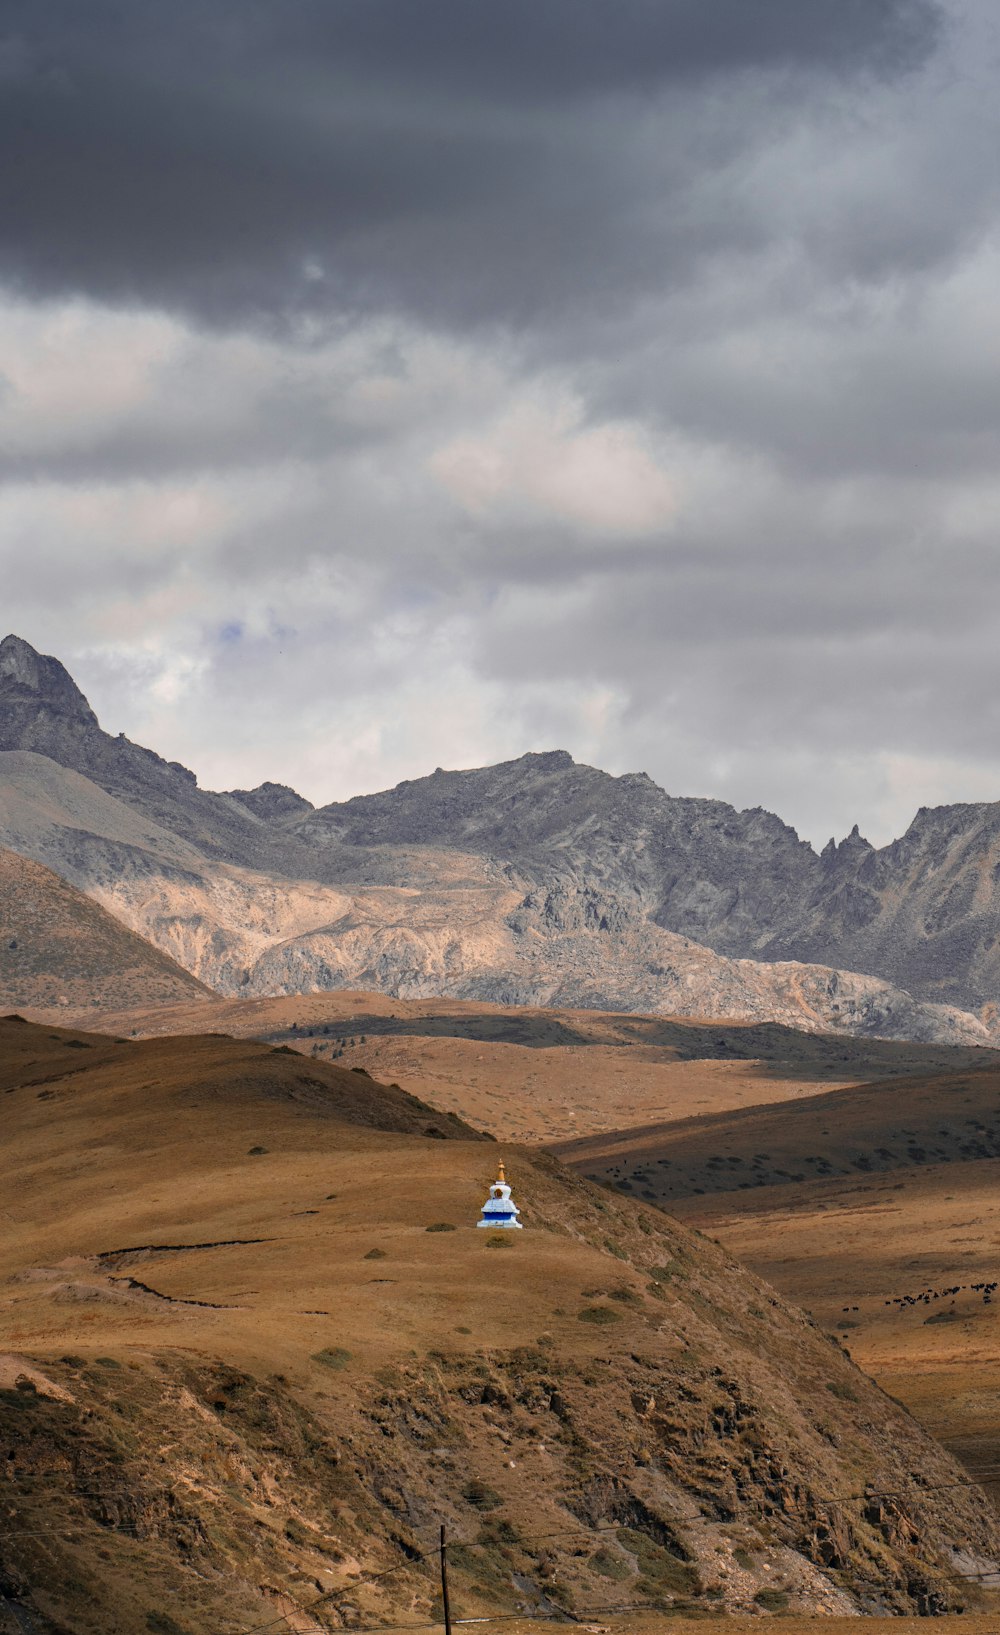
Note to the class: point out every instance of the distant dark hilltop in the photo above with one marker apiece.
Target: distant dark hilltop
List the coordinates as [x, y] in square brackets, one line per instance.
[58, 946]
[537, 881]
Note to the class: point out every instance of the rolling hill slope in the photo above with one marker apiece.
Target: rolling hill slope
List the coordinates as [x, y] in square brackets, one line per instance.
[255, 1349]
[876, 1207]
[549, 1074]
[58, 947]
[899, 1124]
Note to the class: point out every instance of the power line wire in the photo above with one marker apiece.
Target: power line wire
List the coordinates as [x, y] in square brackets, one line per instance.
[332, 1595]
[989, 1576]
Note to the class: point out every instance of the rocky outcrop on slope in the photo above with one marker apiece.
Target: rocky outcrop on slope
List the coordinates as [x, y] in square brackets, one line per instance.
[271, 800]
[197, 1483]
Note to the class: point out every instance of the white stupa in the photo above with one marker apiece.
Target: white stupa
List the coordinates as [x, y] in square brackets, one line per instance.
[500, 1208]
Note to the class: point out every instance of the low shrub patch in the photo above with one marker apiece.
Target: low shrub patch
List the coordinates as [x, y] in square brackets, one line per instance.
[332, 1357]
[609, 1565]
[845, 1393]
[480, 1495]
[625, 1296]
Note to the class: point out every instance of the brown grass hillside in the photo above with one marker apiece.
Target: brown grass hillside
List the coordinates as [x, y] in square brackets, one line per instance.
[255, 1349]
[877, 1208]
[900, 1267]
[886, 1126]
[60, 948]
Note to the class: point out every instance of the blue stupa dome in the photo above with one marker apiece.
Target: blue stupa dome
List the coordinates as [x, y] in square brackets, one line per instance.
[500, 1208]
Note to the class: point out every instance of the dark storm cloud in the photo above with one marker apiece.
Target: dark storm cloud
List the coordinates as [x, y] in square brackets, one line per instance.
[597, 373]
[467, 161]
[525, 49]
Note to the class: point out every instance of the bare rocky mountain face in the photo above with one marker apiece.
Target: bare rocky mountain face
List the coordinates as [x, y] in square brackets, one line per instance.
[538, 881]
[922, 912]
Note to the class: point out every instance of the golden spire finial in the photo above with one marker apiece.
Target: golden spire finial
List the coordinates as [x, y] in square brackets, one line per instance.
[501, 1177]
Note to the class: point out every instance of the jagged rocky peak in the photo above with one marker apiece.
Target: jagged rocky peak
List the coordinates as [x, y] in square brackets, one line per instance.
[26, 674]
[271, 800]
[852, 846]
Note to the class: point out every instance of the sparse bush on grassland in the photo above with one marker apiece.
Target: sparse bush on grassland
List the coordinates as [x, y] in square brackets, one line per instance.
[332, 1357]
[609, 1565]
[500, 1531]
[846, 1393]
[625, 1296]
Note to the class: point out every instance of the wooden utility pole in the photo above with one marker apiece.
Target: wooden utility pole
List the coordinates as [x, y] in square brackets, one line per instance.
[444, 1583]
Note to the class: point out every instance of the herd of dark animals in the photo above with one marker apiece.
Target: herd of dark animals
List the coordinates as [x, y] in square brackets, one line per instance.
[987, 1290]
[905, 1301]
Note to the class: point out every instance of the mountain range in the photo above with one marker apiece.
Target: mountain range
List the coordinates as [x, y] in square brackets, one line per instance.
[538, 881]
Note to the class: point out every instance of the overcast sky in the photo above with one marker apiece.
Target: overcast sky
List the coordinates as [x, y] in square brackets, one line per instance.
[387, 384]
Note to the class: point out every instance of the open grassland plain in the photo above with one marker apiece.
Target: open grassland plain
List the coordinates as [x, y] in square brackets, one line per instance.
[531, 1074]
[255, 1350]
[877, 1209]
